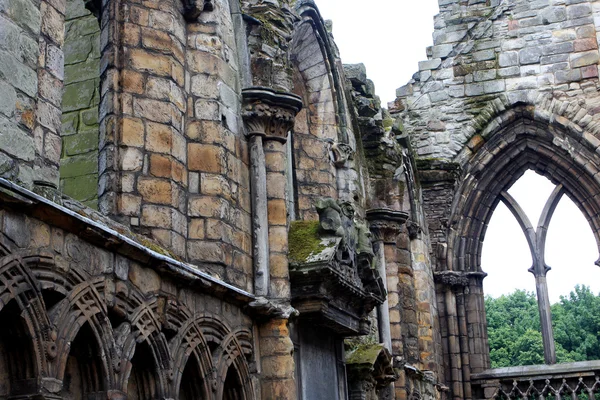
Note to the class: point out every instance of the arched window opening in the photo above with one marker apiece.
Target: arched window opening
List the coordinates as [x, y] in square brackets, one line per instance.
[81, 96]
[83, 376]
[519, 306]
[17, 361]
[192, 382]
[142, 384]
[232, 389]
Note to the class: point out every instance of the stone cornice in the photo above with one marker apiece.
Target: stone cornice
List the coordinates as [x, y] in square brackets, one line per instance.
[268, 113]
[385, 224]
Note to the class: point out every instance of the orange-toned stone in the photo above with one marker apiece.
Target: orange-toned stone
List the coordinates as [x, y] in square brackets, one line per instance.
[153, 63]
[160, 166]
[156, 40]
[155, 190]
[132, 132]
[159, 138]
[196, 228]
[279, 265]
[178, 173]
[131, 34]
[205, 158]
[133, 82]
[277, 212]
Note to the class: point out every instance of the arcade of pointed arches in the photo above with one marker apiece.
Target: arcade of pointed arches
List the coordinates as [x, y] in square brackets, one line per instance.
[72, 336]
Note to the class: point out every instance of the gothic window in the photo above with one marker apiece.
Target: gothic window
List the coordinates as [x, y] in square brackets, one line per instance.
[532, 201]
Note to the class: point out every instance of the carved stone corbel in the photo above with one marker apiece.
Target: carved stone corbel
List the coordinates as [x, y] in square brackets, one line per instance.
[268, 113]
[385, 224]
[193, 8]
[341, 153]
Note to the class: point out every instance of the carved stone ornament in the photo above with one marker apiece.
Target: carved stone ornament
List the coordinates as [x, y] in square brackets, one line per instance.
[385, 224]
[269, 113]
[341, 153]
[333, 280]
[193, 8]
[457, 278]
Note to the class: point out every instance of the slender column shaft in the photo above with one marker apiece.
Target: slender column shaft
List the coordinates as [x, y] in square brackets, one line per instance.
[545, 318]
[260, 222]
[383, 311]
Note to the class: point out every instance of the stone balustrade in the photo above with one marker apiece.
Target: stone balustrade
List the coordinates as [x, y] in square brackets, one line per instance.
[580, 380]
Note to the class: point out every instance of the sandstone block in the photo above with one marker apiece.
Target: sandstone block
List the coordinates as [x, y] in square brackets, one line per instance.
[159, 138]
[132, 132]
[155, 190]
[206, 158]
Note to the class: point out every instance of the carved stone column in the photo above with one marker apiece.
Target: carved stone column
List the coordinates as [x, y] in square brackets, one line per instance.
[385, 225]
[465, 343]
[269, 118]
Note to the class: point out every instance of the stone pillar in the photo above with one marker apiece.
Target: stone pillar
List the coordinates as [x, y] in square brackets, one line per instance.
[143, 166]
[277, 361]
[269, 117]
[385, 226]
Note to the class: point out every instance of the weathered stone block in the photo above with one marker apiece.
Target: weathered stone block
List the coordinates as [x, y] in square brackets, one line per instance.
[584, 59]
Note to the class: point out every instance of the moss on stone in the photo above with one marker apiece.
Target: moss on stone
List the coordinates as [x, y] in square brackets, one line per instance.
[304, 240]
[156, 248]
[364, 354]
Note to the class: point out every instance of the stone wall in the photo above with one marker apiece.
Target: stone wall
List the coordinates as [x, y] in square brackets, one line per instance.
[31, 75]
[80, 128]
[490, 55]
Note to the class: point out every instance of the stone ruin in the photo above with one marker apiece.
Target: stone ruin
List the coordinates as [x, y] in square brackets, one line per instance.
[198, 200]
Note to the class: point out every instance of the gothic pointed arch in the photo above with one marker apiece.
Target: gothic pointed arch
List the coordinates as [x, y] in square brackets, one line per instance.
[145, 357]
[525, 136]
[191, 354]
[322, 140]
[229, 350]
[524, 139]
[19, 286]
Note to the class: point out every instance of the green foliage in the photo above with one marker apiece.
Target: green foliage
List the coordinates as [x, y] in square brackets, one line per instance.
[514, 331]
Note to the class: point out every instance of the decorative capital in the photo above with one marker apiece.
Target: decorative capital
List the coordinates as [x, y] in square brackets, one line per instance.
[269, 113]
[193, 8]
[457, 278]
[385, 224]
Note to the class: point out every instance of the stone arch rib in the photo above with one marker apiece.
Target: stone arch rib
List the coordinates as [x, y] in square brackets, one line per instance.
[522, 143]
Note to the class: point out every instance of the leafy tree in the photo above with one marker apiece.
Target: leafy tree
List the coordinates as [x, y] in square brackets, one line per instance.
[514, 328]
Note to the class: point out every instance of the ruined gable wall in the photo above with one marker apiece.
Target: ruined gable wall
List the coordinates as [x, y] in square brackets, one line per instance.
[487, 57]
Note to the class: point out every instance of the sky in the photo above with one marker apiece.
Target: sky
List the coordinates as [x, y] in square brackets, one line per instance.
[390, 37]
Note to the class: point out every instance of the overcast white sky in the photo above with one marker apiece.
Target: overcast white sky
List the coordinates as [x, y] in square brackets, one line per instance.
[390, 38]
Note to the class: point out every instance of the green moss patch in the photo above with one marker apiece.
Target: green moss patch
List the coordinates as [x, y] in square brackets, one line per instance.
[304, 240]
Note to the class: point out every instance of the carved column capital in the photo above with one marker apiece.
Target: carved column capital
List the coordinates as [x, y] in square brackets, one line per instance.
[385, 224]
[457, 278]
[269, 113]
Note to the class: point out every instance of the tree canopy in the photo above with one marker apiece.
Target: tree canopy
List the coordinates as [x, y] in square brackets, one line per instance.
[514, 328]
